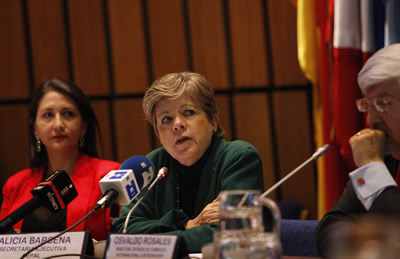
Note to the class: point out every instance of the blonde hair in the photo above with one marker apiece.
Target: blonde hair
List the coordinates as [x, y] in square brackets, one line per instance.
[175, 85]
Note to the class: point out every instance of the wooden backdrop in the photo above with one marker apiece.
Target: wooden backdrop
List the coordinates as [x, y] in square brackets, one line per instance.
[114, 49]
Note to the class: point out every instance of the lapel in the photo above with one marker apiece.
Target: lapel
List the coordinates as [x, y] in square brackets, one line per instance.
[207, 188]
[82, 178]
[172, 188]
[24, 193]
[392, 165]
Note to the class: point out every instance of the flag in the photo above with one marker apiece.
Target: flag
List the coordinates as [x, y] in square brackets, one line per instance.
[343, 35]
[308, 35]
[326, 166]
[347, 62]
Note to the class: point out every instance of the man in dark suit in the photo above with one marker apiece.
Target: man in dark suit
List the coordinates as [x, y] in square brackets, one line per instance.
[372, 187]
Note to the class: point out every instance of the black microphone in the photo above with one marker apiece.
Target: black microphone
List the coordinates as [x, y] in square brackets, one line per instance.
[161, 174]
[55, 193]
[320, 152]
[118, 187]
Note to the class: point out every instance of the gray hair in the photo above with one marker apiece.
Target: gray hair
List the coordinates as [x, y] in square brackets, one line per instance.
[381, 67]
[175, 85]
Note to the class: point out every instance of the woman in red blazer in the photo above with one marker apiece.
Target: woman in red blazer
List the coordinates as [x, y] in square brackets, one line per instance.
[62, 128]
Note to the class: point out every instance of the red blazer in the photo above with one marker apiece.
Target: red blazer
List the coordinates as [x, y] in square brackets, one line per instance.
[86, 176]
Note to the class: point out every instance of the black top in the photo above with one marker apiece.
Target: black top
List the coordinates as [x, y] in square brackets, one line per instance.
[188, 180]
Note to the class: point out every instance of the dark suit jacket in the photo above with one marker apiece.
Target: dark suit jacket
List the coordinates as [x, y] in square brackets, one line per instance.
[349, 208]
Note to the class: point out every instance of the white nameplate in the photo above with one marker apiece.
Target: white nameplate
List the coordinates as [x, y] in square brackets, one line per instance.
[121, 246]
[15, 245]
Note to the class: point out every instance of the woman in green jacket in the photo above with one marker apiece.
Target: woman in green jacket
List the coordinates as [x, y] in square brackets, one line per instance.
[183, 112]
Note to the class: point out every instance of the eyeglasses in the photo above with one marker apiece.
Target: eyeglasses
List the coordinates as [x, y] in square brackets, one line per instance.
[380, 104]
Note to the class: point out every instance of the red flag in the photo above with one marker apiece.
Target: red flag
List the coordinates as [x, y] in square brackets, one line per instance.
[348, 32]
[339, 91]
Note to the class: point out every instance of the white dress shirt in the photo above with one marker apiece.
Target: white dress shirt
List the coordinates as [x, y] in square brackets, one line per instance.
[370, 180]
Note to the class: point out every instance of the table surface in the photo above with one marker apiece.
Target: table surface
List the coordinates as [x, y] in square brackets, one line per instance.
[299, 257]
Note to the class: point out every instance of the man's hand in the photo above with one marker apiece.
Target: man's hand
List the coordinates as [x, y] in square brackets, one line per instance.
[368, 146]
[210, 214]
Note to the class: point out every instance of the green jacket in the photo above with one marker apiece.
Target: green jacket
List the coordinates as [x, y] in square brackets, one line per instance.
[230, 166]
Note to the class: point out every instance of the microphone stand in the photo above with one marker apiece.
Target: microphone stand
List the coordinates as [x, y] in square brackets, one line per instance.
[320, 152]
[161, 174]
[107, 200]
[59, 234]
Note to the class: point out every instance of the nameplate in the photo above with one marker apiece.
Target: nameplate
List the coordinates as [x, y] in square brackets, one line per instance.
[120, 246]
[15, 245]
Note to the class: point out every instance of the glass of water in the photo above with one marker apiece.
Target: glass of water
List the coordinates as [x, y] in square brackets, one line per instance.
[241, 233]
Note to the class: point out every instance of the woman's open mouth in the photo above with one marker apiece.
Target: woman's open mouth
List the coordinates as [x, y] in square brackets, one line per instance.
[182, 140]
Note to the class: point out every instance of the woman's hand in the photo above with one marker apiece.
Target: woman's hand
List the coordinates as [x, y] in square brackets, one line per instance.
[210, 214]
[368, 146]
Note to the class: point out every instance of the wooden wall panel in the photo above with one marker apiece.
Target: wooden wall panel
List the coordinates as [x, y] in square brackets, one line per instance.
[248, 43]
[167, 37]
[208, 41]
[128, 46]
[14, 139]
[13, 62]
[252, 124]
[101, 108]
[224, 115]
[48, 41]
[294, 147]
[282, 22]
[89, 54]
[113, 49]
[133, 132]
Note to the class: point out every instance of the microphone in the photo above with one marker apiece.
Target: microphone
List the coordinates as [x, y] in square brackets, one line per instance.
[55, 193]
[320, 152]
[161, 174]
[123, 185]
[118, 187]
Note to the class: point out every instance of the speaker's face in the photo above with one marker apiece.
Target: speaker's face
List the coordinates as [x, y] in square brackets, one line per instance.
[184, 129]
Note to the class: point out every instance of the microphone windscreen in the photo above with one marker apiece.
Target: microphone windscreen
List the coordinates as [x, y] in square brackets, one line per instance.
[142, 167]
[56, 191]
[134, 174]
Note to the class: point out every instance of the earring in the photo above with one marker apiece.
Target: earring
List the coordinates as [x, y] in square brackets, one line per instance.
[38, 145]
[82, 142]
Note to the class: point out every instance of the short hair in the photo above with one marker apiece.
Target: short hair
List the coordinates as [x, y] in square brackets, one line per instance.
[175, 85]
[66, 88]
[381, 67]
